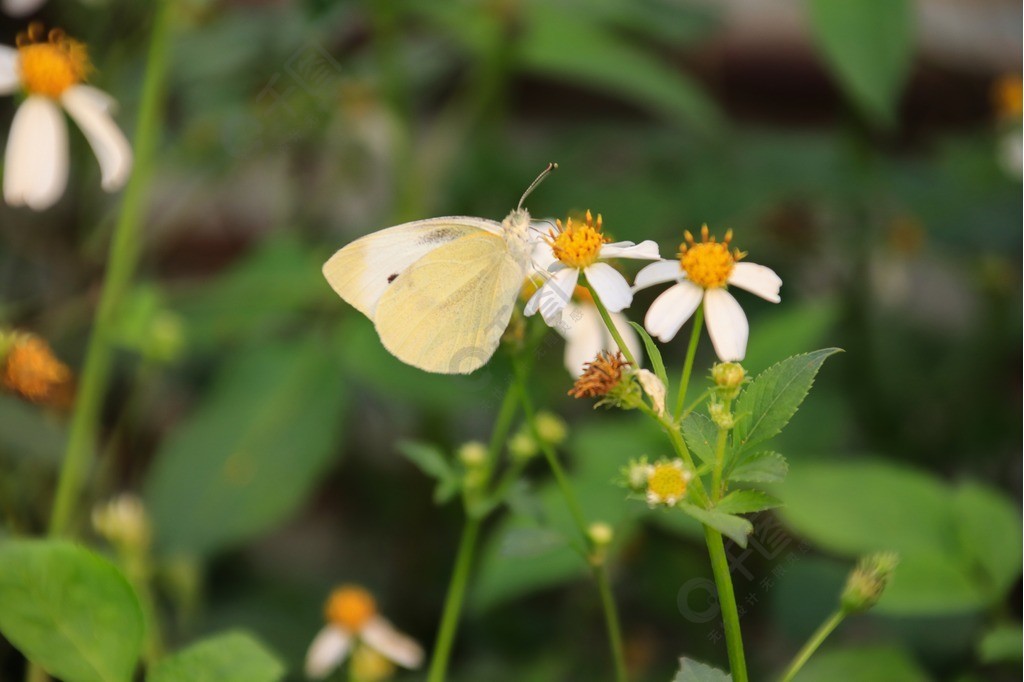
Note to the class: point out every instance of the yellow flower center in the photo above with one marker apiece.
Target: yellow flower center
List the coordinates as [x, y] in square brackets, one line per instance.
[350, 607]
[667, 481]
[50, 64]
[578, 244]
[708, 263]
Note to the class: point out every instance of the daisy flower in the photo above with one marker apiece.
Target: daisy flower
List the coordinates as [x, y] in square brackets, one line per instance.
[702, 273]
[578, 247]
[586, 335]
[667, 481]
[50, 69]
[351, 614]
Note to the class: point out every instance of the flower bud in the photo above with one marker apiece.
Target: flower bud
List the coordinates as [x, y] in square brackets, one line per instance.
[600, 533]
[728, 378]
[123, 522]
[472, 454]
[636, 473]
[866, 583]
[522, 446]
[551, 428]
[721, 416]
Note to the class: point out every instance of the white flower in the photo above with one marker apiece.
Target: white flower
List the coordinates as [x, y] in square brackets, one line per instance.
[586, 335]
[352, 614]
[702, 273]
[21, 8]
[50, 69]
[578, 248]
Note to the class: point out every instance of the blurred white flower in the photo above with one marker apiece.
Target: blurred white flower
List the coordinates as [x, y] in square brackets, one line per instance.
[586, 335]
[21, 8]
[701, 273]
[351, 614]
[578, 247]
[50, 69]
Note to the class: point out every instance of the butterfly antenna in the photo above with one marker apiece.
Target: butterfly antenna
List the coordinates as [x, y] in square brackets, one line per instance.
[533, 185]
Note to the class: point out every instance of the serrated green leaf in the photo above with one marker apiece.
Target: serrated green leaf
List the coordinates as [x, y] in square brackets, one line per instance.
[989, 528]
[1001, 644]
[251, 451]
[760, 467]
[69, 610]
[735, 527]
[227, 657]
[428, 458]
[746, 502]
[771, 400]
[868, 44]
[653, 353]
[693, 671]
[701, 435]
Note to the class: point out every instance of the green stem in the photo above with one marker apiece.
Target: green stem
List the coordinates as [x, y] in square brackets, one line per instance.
[727, 603]
[611, 618]
[453, 602]
[124, 250]
[606, 316]
[691, 352]
[812, 645]
[716, 475]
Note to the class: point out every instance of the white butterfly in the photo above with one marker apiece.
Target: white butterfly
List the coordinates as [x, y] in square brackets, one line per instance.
[440, 291]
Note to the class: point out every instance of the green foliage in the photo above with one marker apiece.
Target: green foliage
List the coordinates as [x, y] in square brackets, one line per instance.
[868, 44]
[760, 467]
[227, 657]
[69, 610]
[694, 671]
[746, 502]
[736, 528]
[653, 352]
[253, 449]
[854, 508]
[701, 435]
[1001, 644]
[432, 461]
[862, 664]
[771, 400]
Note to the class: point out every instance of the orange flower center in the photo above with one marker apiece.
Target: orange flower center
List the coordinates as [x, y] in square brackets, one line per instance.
[708, 263]
[578, 244]
[350, 607]
[50, 64]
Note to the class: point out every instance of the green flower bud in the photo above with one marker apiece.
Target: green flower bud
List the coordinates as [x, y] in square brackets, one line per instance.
[867, 582]
[551, 428]
[729, 378]
[472, 454]
[721, 416]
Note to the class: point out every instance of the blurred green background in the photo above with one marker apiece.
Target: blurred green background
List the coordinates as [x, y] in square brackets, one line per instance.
[861, 149]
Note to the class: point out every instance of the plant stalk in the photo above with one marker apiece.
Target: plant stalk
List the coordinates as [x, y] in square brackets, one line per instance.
[819, 636]
[727, 603]
[691, 352]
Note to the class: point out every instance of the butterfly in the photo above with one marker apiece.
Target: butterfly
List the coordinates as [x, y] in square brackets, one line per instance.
[440, 291]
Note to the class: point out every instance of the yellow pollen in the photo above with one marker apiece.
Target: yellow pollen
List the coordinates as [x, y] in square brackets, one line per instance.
[667, 482]
[708, 263]
[350, 607]
[578, 244]
[50, 64]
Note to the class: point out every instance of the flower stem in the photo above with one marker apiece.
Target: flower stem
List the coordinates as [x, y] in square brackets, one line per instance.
[691, 352]
[716, 475]
[612, 329]
[453, 602]
[727, 603]
[812, 645]
[611, 614]
[121, 266]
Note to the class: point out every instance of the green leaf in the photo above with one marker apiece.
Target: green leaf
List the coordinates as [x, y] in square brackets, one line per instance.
[701, 435]
[869, 46]
[692, 671]
[760, 467]
[735, 527]
[747, 501]
[531, 542]
[653, 353]
[990, 532]
[1001, 644]
[771, 400]
[566, 44]
[428, 458]
[69, 610]
[862, 664]
[227, 657]
[252, 450]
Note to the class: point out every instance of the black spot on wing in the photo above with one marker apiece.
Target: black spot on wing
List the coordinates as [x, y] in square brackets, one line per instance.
[392, 278]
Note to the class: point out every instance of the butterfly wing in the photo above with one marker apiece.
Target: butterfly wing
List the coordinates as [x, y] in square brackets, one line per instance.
[362, 271]
[447, 312]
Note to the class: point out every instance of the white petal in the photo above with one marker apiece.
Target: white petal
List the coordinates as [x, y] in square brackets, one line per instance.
[99, 99]
[91, 112]
[36, 162]
[727, 325]
[327, 651]
[627, 333]
[381, 635]
[584, 334]
[657, 273]
[670, 310]
[654, 388]
[9, 78]
[645, 250]
[610, 286]
[542, 255]
[553, 296]
[757, 279]
[21, 8]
